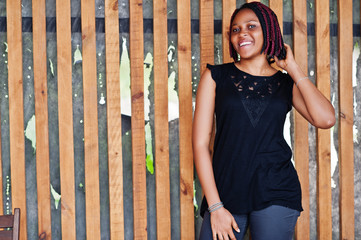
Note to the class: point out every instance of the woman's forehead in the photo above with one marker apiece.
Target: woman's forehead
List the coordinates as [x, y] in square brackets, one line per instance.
[245, 15]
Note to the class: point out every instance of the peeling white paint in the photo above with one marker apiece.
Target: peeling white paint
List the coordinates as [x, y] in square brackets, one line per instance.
[195, 204]
[124, 70]
[51, 67]
[355, 130]
[102, 99]
[173, 100]
[355, 134]
[148, 68]
[30, 132]
[149, 149]
[355, 54]
[77, 55]
[171, 51]
[334, 158]
[56, 196]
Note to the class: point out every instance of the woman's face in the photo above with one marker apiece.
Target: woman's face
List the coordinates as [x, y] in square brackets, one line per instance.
[246, 34]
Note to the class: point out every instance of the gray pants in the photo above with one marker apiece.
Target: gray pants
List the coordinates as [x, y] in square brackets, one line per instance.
[272, 223]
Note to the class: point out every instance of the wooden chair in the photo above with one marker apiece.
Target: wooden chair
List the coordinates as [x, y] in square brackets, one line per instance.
[10, 226]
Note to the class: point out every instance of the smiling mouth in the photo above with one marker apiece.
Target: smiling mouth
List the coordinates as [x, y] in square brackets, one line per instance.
[244, 44]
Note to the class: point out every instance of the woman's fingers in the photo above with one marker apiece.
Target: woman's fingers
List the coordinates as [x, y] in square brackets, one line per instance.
[225, 237]
[235, 225]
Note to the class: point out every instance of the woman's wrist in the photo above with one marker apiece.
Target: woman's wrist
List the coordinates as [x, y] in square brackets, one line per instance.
[215, 207]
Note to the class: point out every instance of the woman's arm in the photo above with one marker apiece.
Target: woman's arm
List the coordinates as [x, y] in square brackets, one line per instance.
[221, 220]
[307, 99]
[202, 130]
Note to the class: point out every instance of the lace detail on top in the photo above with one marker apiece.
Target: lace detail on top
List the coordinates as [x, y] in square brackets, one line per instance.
[255, 92]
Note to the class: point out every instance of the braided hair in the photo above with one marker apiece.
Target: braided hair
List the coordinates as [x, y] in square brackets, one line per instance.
[273, 44]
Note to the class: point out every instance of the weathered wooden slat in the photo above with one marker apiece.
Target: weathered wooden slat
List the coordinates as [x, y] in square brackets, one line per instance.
[161, 119]
[324, 203]
[206, 32]
[115, 160]
[301, 147]
[248, 1]
[186, 170]
[65, 112]
[16, 110]
[228, 8]
[277, 7]
[138, 131]
[91, 147]
[41, 118]
[346, 151]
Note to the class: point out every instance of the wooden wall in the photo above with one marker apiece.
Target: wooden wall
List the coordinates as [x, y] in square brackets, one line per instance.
[161, 139]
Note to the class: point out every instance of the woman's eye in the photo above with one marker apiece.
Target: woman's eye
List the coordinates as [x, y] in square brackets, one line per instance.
[251, 26]
[235, 30]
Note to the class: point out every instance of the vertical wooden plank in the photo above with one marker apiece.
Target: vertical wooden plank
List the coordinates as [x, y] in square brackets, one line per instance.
[65, 112]
[115, 160]
[324, 203]
[206, 32]
[228, 8]
[248, 1]
[41, 118]
[277, 7]
[91, 147]
[345, 46]
[161, 119]
[138, 131]
[301, 146]
[16, 113]
[185, 119]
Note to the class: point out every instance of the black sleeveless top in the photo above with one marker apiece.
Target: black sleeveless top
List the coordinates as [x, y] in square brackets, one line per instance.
[251, 159]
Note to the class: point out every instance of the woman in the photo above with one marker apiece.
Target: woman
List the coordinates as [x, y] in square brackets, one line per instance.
[251, 181]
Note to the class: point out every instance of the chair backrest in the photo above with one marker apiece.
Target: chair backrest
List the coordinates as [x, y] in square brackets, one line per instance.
[10, 226]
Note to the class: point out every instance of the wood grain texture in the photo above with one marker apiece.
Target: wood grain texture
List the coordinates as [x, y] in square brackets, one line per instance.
[301, 146]
[91, 148]
[65, 113]
[228, 8]
[277, 7]
[16, 110]
[136, 43]
[206, 32]
[115, 160]
[346, 151]
[324, 203]
[41, 118]
[186, 169]
[161, 119]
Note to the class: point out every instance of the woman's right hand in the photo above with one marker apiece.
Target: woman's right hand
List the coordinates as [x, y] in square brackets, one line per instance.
[222, 223]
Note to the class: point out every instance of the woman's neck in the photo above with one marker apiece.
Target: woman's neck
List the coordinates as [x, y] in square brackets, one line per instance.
[258, 67]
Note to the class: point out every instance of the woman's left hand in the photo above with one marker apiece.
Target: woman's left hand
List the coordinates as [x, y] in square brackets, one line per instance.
[289, 60]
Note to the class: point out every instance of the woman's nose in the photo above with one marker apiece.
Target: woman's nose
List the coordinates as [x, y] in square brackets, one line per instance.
[243, 32]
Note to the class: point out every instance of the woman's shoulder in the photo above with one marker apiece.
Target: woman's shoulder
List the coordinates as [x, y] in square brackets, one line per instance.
[219, 66]
[219, 71]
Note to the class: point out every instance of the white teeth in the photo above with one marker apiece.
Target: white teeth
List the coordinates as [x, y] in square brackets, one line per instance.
[244, 44]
